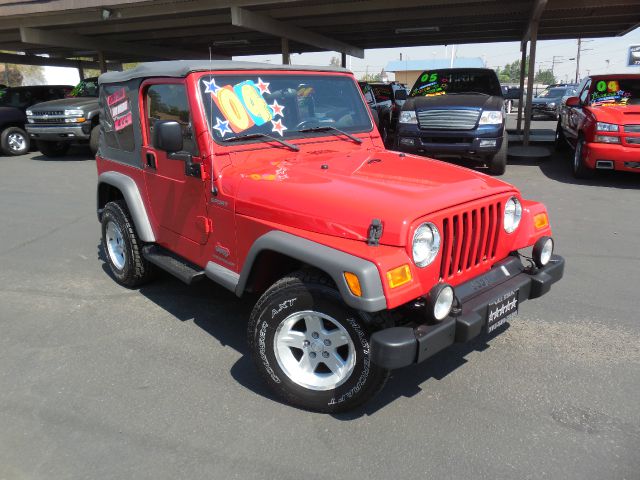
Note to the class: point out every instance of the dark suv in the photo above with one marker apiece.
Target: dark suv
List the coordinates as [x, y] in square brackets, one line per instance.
[56, 125]
[456, 112]
[13, 103]
[549, 103]
[386, 99]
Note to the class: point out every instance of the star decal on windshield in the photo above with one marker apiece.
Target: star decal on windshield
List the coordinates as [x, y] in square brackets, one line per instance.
[211, 87]
[278, 127]
[276, 109]
[222, 126]
[264, 87]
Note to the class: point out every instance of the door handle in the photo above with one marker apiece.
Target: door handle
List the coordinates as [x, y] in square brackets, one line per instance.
[151, 160]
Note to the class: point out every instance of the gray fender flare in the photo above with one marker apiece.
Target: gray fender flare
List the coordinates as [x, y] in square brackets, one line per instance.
[331, 261]
[132, 196]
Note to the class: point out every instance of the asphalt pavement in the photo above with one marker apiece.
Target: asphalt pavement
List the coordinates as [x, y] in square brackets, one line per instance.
[101, 382]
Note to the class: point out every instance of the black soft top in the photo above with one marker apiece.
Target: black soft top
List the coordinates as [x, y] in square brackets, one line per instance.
[181, 68]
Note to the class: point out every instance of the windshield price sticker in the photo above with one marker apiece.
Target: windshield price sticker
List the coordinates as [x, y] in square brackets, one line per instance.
[243, 105]
[608, 92]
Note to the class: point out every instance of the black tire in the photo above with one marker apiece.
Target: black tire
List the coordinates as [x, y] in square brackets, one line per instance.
[498, 164]
[14, 141]
[94, 139]
[53, 149]
[131, 269]
[279, 306]
[580, 170]
[560, 143]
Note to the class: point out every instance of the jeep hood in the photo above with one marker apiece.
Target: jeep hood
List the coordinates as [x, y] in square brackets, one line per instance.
[456, 100]
[338, 193]
[82, 103]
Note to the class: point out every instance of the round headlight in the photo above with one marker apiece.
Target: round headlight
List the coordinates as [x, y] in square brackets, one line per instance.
[426, 244]
[512, 214]
[542, 251]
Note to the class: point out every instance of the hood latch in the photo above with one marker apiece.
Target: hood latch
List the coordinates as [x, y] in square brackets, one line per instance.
[375, 232]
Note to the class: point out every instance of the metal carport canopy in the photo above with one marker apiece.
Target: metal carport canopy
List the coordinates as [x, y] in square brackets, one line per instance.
[134, 30]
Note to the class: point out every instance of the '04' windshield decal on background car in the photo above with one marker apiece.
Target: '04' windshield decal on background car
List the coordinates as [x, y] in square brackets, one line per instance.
[244, 106]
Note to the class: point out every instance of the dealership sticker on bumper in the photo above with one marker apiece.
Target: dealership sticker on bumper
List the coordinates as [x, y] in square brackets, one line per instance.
[501, 310]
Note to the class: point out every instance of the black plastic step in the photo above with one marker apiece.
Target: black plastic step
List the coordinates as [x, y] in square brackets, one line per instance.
[172, 263]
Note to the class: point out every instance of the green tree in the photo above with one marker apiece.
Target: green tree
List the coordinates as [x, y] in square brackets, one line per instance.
[335, 62]
[510, 73]
[371, 77]
[545, 77]
[17, 75]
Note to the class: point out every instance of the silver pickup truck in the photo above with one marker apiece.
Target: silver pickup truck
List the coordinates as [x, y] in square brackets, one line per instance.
[57, 124]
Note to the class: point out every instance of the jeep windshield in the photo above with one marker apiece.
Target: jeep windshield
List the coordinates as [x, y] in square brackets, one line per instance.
[612, 91]
[282, 105]
[86, 88]
[447, 82]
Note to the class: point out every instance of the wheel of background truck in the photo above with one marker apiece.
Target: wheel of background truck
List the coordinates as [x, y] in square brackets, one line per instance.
[560, 141]
[580, 170]
[52, 149]
[94, 139]
[311, 348]
[122, 247]
[498, 164]
[14, 141]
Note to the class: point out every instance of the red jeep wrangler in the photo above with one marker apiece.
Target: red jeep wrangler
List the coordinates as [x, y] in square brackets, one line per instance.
[602, 124]
[273, 180]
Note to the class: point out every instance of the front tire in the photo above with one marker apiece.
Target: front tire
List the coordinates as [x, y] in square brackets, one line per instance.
[580, 170]
[94, 139]
[498, 164]
[53, 149]
[122, 247]
[14, 141]
[310, 348]
[560, 143]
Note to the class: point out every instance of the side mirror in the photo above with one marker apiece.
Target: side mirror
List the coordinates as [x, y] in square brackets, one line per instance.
[573, 102]
[401, 94]
[167, 136]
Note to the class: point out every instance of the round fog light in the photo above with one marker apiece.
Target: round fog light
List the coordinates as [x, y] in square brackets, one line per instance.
[542, 251]
[440, 301]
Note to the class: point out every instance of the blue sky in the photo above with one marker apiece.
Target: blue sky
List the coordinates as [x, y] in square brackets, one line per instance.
[598, 56]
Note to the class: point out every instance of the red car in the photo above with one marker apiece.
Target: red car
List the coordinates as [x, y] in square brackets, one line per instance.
[273, 180]
[602, 124]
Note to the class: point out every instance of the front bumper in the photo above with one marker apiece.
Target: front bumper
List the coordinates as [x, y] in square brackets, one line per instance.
[623, 158]
[58, 133]
[479, 144]
[398, 347]
[544, 111]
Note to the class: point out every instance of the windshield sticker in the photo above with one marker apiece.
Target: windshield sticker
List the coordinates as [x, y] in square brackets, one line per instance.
[243, 105]
[122, 122]
[120, 110]
[433, 86]
[609, 93]
[116, 97]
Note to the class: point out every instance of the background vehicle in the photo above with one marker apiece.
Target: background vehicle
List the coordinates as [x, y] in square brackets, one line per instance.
[511, 96]
[386, 99]
[602, 124]
[456, 112]
[246, 174]
[56, 125]
[549, 103]
[13, 103]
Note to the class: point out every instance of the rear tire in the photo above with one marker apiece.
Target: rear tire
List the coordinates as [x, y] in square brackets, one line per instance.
[53, 149]
[560, 141]
[498, 164]
[122, 247]
[14, 141]
[580, 170]
[300, 323]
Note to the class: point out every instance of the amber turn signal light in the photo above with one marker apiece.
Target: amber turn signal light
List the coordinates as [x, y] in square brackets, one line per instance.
[541, 221]
[354, 283]
[399, 276]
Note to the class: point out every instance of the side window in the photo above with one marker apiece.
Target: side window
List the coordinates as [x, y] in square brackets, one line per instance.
[169, 102]
[584, 95]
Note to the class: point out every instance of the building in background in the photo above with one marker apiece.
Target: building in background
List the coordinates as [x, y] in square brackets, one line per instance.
[407, 71]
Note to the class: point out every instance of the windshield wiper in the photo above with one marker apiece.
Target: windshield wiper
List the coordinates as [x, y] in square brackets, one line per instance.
[249, 136]
[324, 128]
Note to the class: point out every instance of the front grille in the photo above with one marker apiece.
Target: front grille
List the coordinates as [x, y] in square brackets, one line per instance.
[47, 112]
[633, 140]
[47, 120]
[470, 239]
[632, 128]
[448, 119]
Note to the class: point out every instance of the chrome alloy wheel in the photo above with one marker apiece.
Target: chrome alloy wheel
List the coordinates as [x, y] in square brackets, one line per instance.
[16, 142]
[115, 245]
[314, 350]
